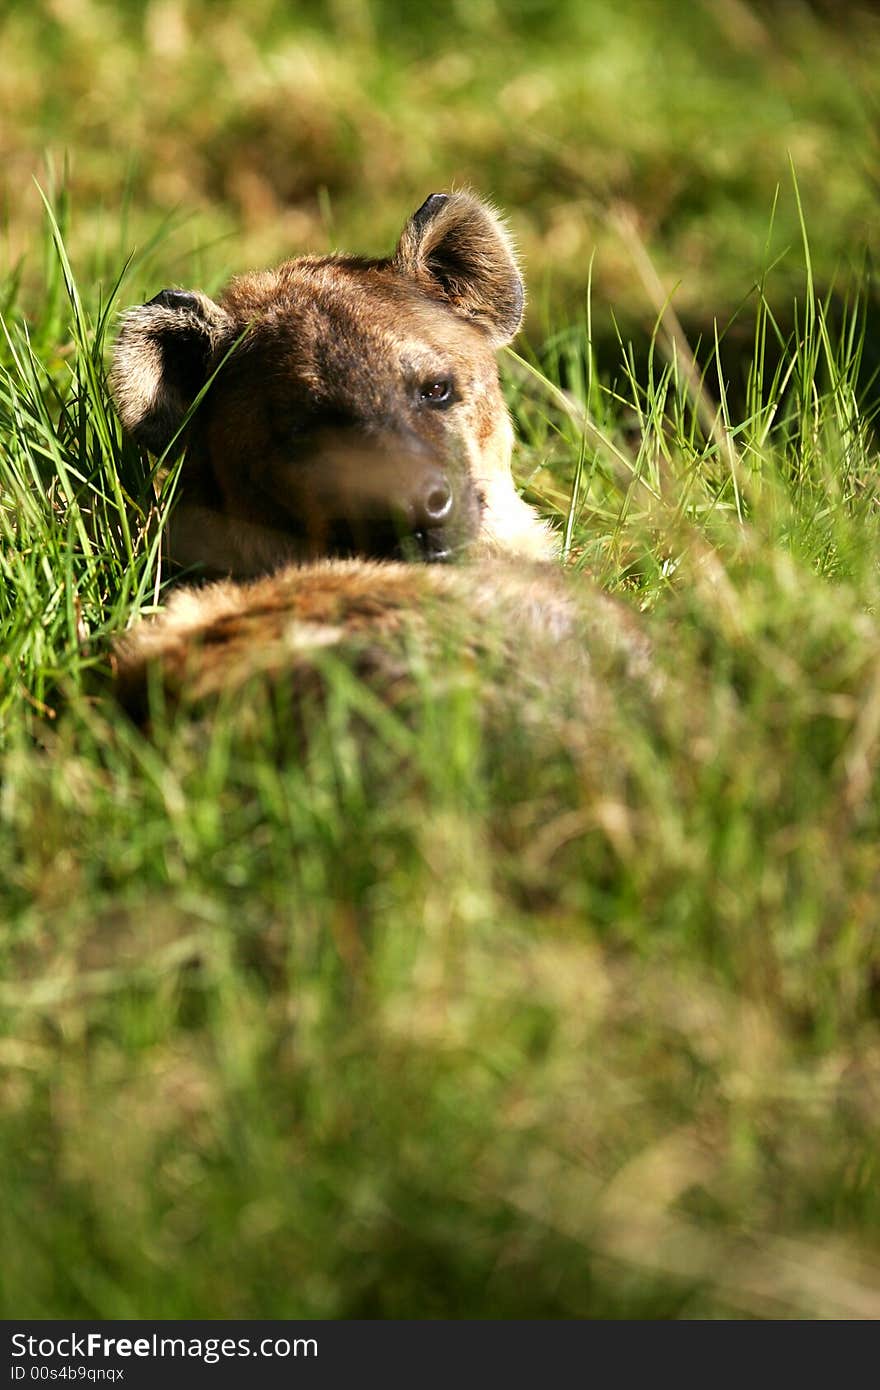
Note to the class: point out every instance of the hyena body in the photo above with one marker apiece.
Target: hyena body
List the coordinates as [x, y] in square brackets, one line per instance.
[353, 424]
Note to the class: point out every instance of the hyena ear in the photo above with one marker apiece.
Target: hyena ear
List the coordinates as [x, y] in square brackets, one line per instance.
[459, 245]
[161, 361]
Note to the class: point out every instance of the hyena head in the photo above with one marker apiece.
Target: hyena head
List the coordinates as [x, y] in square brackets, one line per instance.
[353, 406]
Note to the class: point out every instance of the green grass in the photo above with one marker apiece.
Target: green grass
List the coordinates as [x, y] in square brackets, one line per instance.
[270, 130]
[563, 1013]
[508, 1004]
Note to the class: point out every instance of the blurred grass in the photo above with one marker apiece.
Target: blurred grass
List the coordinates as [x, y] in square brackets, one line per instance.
[278, 129]
[546, 1009]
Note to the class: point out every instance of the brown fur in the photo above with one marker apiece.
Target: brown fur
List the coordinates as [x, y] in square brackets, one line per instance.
[313, 438]
[317, 413]
[374, 616]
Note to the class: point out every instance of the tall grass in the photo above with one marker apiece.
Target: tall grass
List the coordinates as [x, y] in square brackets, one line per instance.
[567, 1011]
[268, 130]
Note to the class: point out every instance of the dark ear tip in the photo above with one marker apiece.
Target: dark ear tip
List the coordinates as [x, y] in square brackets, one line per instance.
[430, 207]
[176, 299]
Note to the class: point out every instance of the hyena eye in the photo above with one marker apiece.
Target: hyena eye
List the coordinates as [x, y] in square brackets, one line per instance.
[438, 392]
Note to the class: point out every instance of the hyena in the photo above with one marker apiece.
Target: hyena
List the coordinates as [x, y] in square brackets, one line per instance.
[352, 439]
[356, 409]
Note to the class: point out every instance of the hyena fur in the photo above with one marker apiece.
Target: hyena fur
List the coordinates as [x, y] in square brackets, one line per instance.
[353, 437]
[356, 410]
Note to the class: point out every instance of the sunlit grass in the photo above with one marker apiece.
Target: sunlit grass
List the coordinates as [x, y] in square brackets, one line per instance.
[531, 998]
[504, 1005]
[265, 131]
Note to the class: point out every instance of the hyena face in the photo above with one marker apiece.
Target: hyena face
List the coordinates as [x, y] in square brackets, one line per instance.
[353, 408]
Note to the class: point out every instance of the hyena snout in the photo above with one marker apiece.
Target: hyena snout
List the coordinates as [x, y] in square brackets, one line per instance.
[427, 515]
[389, 498]
[434, 506]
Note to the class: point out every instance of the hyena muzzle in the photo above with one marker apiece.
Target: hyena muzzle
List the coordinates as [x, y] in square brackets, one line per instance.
[352, 407]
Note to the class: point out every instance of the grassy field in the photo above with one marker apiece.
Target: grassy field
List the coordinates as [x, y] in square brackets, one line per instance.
[530, 1010]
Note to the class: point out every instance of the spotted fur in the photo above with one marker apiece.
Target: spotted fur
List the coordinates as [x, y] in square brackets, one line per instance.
[320, 376]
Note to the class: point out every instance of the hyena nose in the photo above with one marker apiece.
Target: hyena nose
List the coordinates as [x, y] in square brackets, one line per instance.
[436, 507]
